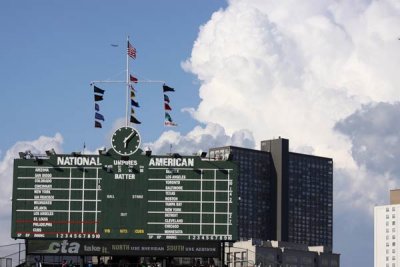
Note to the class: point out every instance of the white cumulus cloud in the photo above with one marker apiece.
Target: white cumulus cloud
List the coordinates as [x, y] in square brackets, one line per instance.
[200, 139]
[302, 71]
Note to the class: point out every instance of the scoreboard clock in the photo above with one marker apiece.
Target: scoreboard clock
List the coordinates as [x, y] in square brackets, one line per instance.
[125, 141]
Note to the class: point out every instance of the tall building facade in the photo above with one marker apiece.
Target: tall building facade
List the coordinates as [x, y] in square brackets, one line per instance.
[387, 232]
[256, 191]
[284, 196]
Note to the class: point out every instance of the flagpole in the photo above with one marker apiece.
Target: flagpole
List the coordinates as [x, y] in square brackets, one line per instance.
[127, 81]
[130, 52]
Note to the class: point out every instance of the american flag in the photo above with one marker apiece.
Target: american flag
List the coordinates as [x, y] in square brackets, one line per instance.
[131, 51]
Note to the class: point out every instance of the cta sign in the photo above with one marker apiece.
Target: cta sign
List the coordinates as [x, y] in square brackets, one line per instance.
[124, 247]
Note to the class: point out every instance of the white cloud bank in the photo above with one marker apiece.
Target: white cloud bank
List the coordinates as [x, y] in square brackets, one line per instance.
[306, 71]
[295, 70]
[200, 139]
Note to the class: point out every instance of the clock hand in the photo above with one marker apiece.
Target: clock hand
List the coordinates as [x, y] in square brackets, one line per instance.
[128, 138]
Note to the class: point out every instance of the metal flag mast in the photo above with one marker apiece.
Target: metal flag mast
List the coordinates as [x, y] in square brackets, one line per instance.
[128, 83]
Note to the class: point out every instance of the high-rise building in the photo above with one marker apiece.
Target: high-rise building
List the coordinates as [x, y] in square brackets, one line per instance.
[387, 232]
[283, 196]
[256, 191]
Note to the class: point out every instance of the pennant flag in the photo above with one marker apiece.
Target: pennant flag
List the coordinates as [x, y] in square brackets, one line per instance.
[166, 98]
[167, 88]
[98, 116]
[133, 79]
[131, 86]
[98, 90]
[134, 103]
[132, 111]
[170, 123]
[98, 97]
[131, 51]
[134, 120]
[97, 124]
[167, 107]
[168, 120]
[96, 107]
[168, 117]
[132, 94]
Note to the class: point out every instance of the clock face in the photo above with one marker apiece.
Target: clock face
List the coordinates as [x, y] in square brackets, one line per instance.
[125, 141]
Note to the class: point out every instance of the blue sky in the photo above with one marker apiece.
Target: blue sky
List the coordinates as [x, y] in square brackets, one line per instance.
[50, 51]
[323, 74]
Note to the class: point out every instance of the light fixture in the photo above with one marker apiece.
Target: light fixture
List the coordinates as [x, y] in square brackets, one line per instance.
[50, 152]
[147, 151]
[28, 154]
[103, 151]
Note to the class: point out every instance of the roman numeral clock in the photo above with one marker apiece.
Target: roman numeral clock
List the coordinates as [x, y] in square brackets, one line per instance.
[125, 141]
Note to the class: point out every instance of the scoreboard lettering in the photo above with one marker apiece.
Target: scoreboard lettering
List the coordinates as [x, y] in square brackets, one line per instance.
[121, 196]
[79, 161]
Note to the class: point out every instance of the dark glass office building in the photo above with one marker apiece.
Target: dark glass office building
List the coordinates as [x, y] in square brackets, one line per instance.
[283, 196]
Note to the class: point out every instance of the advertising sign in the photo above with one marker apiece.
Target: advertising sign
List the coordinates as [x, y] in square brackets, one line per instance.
[155, 248]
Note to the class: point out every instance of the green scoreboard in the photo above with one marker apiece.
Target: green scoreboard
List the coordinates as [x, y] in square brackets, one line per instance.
[124, 193]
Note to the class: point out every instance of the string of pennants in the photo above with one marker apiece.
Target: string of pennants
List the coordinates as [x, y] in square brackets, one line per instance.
[168, 120]
[99, 94]
[134, 102]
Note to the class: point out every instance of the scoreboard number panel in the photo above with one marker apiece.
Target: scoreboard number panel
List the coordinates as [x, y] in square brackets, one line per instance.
[124, 194]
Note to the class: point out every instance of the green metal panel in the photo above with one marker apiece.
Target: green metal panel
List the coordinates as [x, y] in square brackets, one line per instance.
[118, 197]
